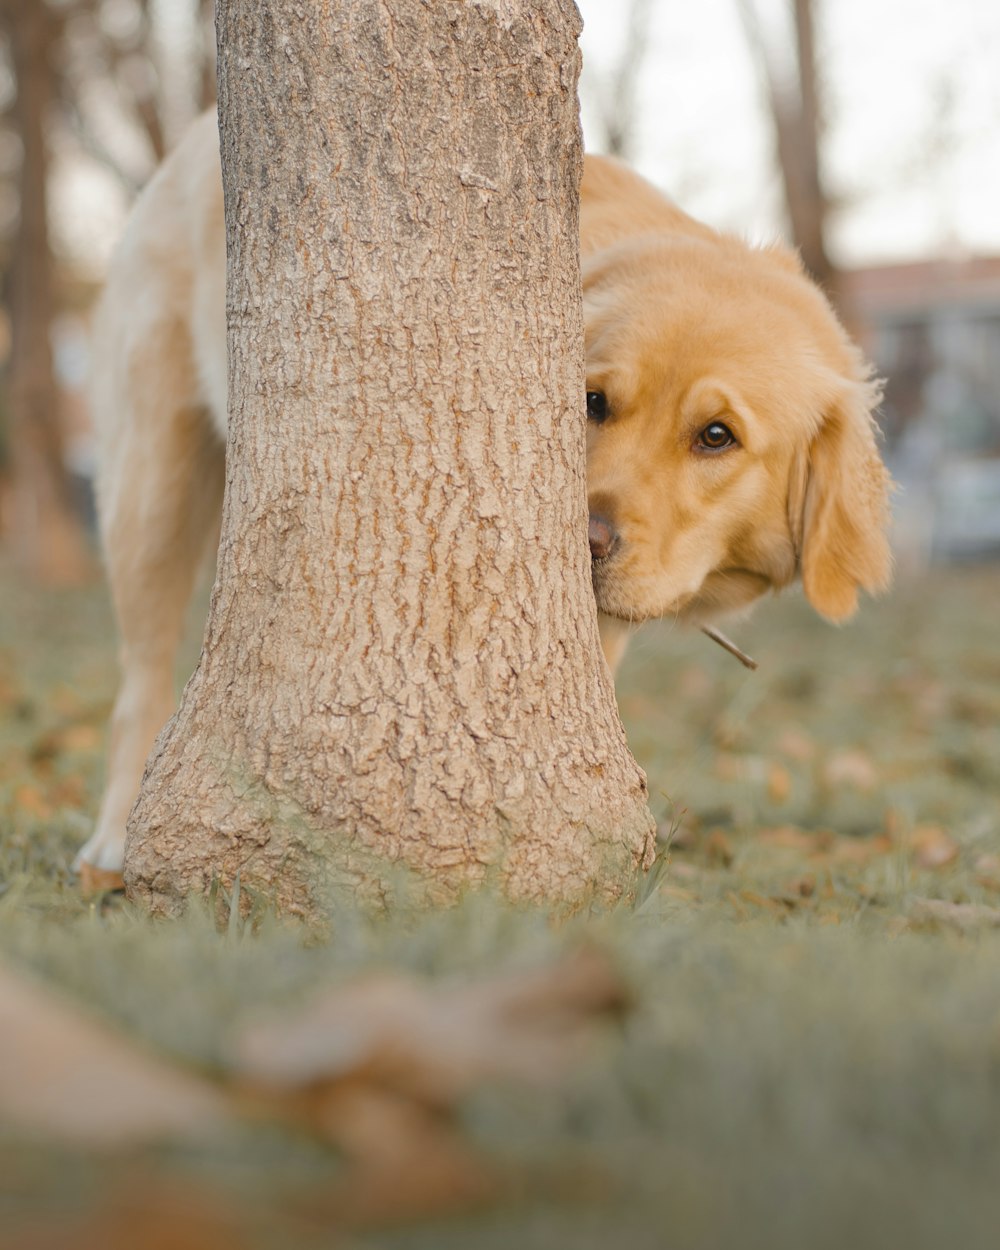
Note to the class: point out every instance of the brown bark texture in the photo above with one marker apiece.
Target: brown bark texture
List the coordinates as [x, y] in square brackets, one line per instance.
[401, 690]
[46, 534]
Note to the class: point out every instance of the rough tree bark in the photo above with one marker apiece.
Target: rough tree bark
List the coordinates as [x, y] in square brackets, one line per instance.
[46, 534]
[401, 677]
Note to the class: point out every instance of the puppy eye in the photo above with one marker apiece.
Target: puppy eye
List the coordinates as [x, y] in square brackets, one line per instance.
[597, 407]
[715, 437]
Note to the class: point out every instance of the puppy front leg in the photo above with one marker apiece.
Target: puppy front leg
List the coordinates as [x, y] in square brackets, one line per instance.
[144, 704]
[160, 510]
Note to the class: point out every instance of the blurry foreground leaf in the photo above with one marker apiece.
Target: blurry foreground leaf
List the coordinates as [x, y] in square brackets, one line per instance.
[372, 1068]
[74, 1079]
[433, 1043]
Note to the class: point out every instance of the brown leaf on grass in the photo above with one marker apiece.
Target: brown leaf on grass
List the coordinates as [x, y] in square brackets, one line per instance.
[66, 739]
[719, 849]
[774, 905]
[732, 767]
[797, 745]
[850, 768]
[933, 847]
[845, 850]
[966, 917]
[789, 838]
[728, 767]
[69, 791]
[83, 737]
[987, 870]
[28, 798]
[824, 847]
[779, 783]
[69, 1077]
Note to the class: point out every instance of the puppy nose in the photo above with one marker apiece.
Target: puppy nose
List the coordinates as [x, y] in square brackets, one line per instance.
[603, 537]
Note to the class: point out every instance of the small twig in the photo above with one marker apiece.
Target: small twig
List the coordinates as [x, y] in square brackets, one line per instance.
[728, 645]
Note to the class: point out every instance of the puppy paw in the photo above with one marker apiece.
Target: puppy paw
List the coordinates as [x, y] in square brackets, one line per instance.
[98, 865]
[98, 880]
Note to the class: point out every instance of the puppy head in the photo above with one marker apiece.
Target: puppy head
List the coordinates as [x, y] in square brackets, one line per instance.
[731, 446]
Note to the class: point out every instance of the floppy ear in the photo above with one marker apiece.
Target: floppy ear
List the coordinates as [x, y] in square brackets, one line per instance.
[845, 518]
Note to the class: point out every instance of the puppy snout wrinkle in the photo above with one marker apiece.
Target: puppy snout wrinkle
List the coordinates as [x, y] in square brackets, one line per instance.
[604, 538]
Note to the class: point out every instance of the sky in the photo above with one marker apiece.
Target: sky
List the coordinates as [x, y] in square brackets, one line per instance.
[913, 119]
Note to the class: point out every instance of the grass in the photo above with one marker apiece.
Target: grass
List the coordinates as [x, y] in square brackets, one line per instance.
[810, 1062]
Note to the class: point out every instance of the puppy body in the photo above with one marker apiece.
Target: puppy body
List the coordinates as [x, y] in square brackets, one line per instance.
[158, 403]
[684, 328]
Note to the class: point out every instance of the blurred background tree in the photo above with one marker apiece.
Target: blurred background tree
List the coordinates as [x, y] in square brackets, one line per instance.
[48, 537]
[791, 75]
[104, 84]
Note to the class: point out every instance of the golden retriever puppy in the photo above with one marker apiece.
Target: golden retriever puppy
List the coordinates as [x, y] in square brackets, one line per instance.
[730, 442]
[731, 445]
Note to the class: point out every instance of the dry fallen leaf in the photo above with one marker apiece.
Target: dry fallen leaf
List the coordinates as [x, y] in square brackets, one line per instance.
[779, 783]
[850, 768]
[932, 847]
[797, 745]
[773, 905]
[788, 838]
[744, 768]
[987, 870]
[719, 849]
[858, 851]
[30, 799]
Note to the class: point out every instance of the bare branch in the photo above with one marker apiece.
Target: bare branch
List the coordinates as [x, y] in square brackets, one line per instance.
[620, 98]
[795, 113]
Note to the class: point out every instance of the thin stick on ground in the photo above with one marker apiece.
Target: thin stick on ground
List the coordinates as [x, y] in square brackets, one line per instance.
[727, 644]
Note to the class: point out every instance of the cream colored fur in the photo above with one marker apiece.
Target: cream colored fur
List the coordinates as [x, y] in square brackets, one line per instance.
[683, 327]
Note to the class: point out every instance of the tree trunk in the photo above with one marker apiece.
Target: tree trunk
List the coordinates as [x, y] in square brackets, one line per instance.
[47, 537]
[401, 684]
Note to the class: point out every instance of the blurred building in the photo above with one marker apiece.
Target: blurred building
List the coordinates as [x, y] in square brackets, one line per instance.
[933, 329]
